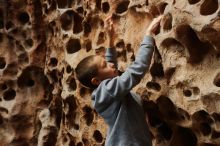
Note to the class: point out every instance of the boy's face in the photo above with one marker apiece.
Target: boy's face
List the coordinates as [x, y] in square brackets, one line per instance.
[105, 69]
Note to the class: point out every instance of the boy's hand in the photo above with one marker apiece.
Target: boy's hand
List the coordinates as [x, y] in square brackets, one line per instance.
[109, 26]
[152, 28]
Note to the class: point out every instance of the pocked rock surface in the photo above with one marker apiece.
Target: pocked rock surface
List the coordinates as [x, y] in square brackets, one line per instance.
[41, 41]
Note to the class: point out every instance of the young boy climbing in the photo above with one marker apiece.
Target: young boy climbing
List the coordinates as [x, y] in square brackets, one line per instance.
[112, 97]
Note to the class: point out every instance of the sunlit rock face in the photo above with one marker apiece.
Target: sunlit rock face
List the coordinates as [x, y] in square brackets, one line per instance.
[41, 42]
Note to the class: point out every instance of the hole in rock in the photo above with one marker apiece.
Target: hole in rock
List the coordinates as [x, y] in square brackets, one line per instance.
[187, 93]
[1, 37]
[86, 142]
[196, 90]
[201, 116]
[216, 117]
[9, 25]
[191, 2]
[165, 131]
[120, 44]
[169, 73]
[29, 43]
[154, 11]
[66, 20]
[80, 10]
[167, 25]
[216, 81]
[64, 139]
[61, 3]
[162, 6]
[183, 137]
[23, 58]
[1, 18]
[208, 144]
[172, 43]
[77, 23]
[1, 120]
[212, 36]
[72, 143]
[76, 126]
[3, 86]
[184, 115]
[88, 45]
[73, 45]
[154, 86]
[71, 83]
[79, 144]
[122, 7]
[97, 136]
[153, 113]
[2, 62]
[51, 138]
[167, 108]
[19, 142]
[196, 49]
[215, 134]
[9, 94]
[105, 7]
[87, 28]
[101, 38]
[71, 103]
[88, 115]
[29, 76]
[53, 62]
[209, 7]
[27, 81]
[11, 69]
[156, 69]
[69, 69]
[2, 109]
[83, 91]
[205, 128]
[23, 17]
[98, 4]
[54, 75]
[1, 23]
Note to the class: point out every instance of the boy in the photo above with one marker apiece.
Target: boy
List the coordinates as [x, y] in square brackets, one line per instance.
[111, 97]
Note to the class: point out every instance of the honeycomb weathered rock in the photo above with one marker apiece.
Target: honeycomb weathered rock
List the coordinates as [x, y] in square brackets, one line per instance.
[41, 41]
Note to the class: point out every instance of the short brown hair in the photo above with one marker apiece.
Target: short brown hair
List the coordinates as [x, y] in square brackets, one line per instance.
[86, 70]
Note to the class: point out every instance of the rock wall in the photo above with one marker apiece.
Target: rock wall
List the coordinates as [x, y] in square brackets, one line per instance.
[41, 41]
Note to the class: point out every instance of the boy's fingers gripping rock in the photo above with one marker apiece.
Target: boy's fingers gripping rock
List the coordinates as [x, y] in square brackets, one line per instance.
[152, 28]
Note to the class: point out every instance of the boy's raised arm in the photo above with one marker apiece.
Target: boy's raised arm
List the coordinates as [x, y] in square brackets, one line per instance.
[121, 85]
[110, 54]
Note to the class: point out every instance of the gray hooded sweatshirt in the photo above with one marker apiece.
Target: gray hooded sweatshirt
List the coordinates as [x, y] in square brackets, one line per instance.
[121, 109]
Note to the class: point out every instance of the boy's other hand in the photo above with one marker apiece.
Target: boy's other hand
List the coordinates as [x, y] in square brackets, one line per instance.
[154, 25]
[109, 26]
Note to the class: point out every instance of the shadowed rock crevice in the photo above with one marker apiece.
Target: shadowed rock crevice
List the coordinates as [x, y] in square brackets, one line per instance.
[197, 49]
[122, 7]
[193, 1]
[73, 46]
[209, 7]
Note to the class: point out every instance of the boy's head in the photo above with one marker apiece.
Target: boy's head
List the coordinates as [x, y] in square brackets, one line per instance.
[92, 70]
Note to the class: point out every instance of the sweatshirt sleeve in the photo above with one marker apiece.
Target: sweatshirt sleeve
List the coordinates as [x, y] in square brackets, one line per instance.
[118, 87]
[111, 56]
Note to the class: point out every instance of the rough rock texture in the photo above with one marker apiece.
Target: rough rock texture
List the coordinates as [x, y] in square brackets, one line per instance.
[41, 41]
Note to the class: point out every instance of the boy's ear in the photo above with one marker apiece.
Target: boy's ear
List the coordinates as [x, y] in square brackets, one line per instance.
[95, 81]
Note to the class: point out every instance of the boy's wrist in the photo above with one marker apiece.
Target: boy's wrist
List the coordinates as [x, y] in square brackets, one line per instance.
[111, 43]
[149, 33]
